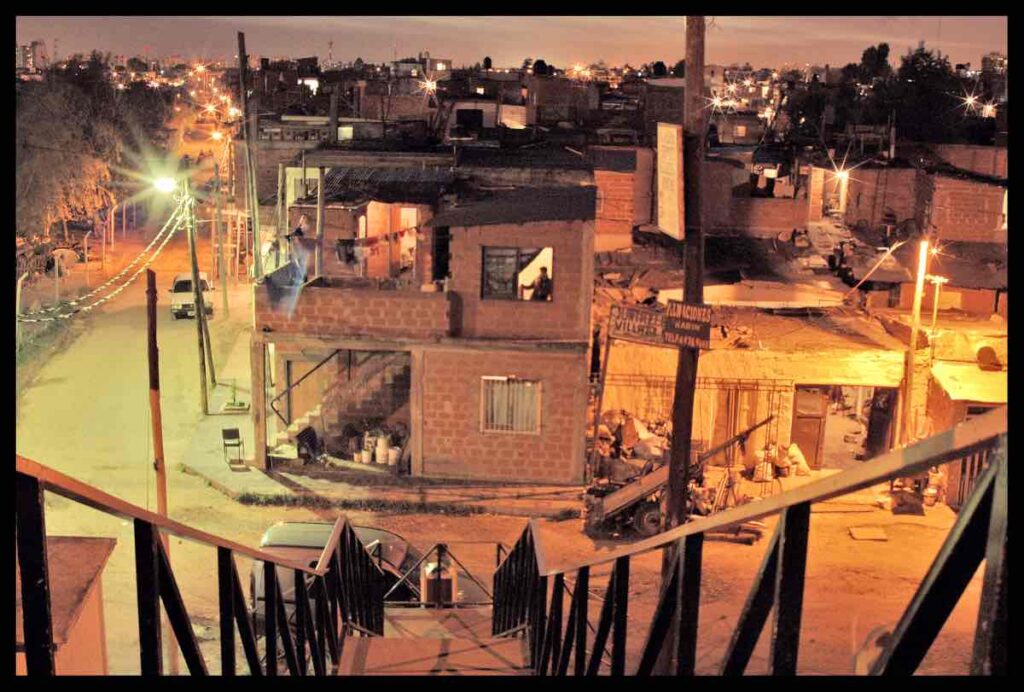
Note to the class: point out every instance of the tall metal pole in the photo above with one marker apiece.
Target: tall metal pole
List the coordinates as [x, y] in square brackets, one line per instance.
[915, 326]
[159, 466]
[249, 136]
[318, 263]
[197, 297]
[221, 273]
[937, 282]
[693, 293]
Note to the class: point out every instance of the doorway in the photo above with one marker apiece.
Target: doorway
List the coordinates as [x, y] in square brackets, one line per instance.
[840, 426]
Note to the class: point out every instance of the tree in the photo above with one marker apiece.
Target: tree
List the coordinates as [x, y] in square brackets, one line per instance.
[487, 62]
[135, 65]
[924, 97]
[679, 70]
[358, 64]
[874, 63]
[540, 67]
[659, 69]
[527, 63]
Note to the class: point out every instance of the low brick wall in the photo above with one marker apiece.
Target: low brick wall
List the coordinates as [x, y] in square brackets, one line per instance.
[353, 312]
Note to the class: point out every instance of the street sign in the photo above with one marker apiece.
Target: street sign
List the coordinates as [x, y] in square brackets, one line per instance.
[681, 325]
[687, 325]
[635, 324]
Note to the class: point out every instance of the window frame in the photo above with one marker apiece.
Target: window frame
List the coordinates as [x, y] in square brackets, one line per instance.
[539, 387]
[515, 297]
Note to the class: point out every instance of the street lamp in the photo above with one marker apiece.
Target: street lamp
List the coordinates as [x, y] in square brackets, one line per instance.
[936, 282]
[216, 135]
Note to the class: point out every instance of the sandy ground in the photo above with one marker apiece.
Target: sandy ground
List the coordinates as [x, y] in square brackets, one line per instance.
[87, 415]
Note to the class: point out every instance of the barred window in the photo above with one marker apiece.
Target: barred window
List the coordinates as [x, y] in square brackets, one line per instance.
[510, 405]
[511, 273]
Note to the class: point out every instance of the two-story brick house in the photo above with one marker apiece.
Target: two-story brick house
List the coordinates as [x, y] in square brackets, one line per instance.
[480, 347]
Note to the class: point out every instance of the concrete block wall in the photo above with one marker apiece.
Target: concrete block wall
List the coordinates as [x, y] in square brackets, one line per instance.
[565, 317]
[267, 155]
[326, 311]
[453, 445]
[871, 192]
[968, 210]
[616, 208]
[978, 159]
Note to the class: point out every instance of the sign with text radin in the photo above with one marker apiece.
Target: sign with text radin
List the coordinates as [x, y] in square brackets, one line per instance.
[681, 325]
[671, 219]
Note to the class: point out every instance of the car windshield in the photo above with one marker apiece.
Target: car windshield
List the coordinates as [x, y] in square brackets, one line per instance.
[183, 286]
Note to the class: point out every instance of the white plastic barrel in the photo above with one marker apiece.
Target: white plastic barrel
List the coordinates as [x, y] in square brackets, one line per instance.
[393, 454]
[382, 449]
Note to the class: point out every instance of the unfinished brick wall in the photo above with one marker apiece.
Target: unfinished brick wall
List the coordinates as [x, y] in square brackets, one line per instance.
[873, 191]
[968, 210]
[616, 210]
[978, 159]
[349, 312]
[267, 156]
[728, 214]
[455, 447]
[565, 317]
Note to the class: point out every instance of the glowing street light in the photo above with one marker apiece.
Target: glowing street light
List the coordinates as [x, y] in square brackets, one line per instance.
[216, 135]
[843, 175]
[165, 184]
[988, 110]
[234, 112]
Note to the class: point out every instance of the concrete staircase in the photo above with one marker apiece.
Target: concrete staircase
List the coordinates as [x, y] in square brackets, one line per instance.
[429, 641]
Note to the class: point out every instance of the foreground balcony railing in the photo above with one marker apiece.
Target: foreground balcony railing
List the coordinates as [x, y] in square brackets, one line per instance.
[521, 583]
[343, 593]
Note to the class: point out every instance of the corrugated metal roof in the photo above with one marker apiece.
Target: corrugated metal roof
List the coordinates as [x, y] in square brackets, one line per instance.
[522, 205]
[348, 183]
[542, 156]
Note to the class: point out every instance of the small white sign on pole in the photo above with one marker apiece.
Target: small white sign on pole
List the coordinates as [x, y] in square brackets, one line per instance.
[671, 219]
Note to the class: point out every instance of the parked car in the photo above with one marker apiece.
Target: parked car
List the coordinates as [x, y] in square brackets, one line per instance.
[304, 541]
[183, 299]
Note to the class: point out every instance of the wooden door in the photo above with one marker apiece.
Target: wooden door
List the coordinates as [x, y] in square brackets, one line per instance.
[810, 408]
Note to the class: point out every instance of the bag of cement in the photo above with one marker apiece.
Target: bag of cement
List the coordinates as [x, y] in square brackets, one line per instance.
[796, 458]
[652, 448]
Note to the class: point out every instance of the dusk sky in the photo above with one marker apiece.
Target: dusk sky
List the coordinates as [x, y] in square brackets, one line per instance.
[561, 41]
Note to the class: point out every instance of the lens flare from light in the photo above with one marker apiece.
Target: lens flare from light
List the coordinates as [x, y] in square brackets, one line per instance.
[165, 184]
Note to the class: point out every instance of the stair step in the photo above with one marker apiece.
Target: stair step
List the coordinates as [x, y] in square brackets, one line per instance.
[430, 656]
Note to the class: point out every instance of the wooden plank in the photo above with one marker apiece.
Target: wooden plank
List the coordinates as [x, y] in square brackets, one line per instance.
[991, 637]
[964, 438]
[789, 587]
[30, 522]
[940, 590]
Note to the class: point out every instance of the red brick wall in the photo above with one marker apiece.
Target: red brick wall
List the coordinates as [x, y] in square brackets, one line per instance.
[615, 202]
[454, 446]
[979, 159]
[871, 191]
[967, 210]
[324, 311]
[565, 317]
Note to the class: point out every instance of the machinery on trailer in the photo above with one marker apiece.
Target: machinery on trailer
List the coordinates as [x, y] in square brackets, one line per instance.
[611, 506]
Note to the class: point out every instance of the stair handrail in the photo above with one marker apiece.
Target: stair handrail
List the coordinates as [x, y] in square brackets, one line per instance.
[521, 581]
[296, 383]
[345, 581]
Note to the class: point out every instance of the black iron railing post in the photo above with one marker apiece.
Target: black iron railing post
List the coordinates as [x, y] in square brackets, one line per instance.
[30, 523]
[301, 611]
[270, 616]
[246, 631]
[688, 602]
[147, 587]
[789, 587]
[621, 626]
[225, 563]
[177, 615]
[991, 637]
[583, 604]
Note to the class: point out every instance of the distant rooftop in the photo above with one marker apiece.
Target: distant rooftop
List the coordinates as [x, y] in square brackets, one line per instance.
[397, 184]
[521, 205]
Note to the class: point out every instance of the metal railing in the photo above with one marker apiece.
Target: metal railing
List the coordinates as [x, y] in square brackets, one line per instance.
[521, 581]
[293, 385]
[345, 594]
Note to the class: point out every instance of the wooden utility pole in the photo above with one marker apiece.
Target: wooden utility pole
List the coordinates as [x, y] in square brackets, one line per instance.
[248, 135]
[221, 273]
[694, 120]
[85, 241]
[279, 231]
[908, 429]
[124, 220]
[318, 263]
[197, 297]
[158, 439]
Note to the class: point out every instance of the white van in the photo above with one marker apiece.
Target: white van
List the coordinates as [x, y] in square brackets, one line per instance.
[183, 299]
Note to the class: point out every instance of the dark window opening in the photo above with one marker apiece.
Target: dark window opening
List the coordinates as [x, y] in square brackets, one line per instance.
[511, 273]
[441, 251]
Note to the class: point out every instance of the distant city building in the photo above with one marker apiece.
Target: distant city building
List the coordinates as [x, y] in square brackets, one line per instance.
[31, 57]
[994, 63]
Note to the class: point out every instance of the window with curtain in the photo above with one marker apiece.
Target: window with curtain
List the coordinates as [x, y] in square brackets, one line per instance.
[510, 405]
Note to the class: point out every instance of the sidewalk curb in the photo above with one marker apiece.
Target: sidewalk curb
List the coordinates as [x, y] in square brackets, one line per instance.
[286, 498]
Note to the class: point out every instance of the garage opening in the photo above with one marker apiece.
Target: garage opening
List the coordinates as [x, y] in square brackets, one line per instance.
[839, 427]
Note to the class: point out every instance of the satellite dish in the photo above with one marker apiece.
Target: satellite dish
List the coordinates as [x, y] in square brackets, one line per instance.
[988, 359]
